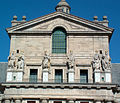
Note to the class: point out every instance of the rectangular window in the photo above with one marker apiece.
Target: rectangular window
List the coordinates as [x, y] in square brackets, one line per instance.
[31, 101]
[83, 76]
[57, 101]
[58, 76]
[33, 75]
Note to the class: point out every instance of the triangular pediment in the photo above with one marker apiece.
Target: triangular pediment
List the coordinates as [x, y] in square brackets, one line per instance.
[49, 22]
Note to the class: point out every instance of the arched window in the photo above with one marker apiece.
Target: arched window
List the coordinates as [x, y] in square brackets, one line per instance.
[59, 41]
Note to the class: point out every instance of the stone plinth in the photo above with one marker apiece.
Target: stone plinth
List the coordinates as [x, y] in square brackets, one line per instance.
[71, 74]
[45, 75]
[97, 76]
[14, 75]
[102, 76]
[108, 77]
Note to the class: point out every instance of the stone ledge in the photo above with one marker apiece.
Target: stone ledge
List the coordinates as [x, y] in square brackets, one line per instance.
[62, 85]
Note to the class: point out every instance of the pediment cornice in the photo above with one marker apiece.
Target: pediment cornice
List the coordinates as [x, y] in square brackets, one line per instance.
[69, 17]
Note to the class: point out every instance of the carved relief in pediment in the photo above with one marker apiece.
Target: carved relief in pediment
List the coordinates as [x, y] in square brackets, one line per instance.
[45, 26]
[50, 25]
[78, 27]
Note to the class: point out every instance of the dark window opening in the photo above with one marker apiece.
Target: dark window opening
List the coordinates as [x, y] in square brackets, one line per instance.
[57, 101]
[103, 79]
[17, 51]
[83, 76]
[67, 10]
[33, 75]
[14, 77]
[31, 101]
[58, 76]
[100, 51]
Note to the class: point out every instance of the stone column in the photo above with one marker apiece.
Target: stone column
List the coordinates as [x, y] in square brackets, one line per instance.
[45, 75]
[18, 101]
[44, 101]
[71, 75]
[7, 101]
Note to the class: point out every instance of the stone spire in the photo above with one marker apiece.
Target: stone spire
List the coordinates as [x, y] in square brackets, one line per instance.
[63, 6]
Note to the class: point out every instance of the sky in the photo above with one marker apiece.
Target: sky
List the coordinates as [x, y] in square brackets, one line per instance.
[82, 8]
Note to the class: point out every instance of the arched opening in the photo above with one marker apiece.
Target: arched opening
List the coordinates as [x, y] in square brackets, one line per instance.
[59, 41]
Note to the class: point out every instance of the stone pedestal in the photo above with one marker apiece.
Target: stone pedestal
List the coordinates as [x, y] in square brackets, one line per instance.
[71, 75]
[45, 75]
[9, 76]
[14, 75]
[97, 76]
[108, 77]
[102, 77]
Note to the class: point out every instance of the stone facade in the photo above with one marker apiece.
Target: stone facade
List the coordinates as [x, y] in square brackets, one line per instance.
[37, 75]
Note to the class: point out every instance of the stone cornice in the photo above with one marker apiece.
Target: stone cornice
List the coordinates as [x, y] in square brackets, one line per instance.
[56, 14]
[50, 32]
[63, 85]
[60, 64]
